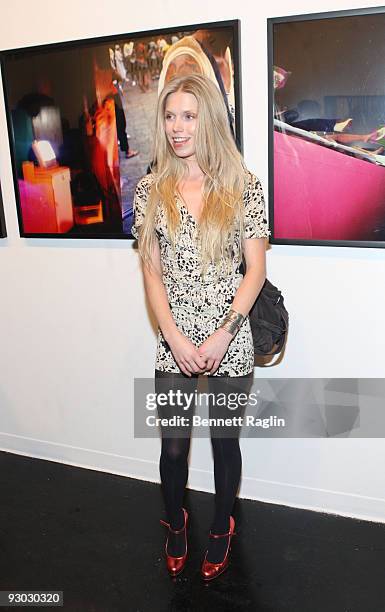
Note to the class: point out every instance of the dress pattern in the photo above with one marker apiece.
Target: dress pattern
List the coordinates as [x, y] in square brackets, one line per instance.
[199, 306]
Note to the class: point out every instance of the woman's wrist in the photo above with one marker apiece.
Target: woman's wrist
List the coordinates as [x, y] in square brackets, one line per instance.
[232, 322]
[226, 334]
[169, 332]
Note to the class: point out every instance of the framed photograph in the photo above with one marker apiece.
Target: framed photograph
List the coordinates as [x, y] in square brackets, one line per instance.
[3, 231]
[327, 129]
[81, 119]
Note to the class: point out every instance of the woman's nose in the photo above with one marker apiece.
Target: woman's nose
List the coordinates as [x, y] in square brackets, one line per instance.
[177, 125]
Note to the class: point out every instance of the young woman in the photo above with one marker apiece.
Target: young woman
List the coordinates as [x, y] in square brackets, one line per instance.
[196, 215]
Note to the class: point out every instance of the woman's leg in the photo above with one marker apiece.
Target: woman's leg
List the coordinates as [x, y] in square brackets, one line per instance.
[227, 457]
[173, 464]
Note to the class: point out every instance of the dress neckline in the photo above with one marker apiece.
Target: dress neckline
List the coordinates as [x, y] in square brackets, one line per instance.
[183, 205]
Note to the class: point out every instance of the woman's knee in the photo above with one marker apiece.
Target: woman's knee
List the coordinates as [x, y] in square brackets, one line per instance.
[175, 450]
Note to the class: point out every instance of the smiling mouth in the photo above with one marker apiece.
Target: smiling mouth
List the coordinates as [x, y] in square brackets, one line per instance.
[180, 140]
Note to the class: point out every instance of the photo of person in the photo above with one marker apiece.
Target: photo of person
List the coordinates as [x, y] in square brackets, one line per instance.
[92, 131]
[328, 128]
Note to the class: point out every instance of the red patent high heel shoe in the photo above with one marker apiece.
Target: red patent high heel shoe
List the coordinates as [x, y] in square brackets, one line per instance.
[209, 570]
[176, 564]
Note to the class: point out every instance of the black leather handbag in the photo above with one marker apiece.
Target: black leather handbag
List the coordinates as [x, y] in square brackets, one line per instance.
[269, 321]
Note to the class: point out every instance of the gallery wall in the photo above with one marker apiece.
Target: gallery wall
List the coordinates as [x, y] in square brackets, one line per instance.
[75, 328]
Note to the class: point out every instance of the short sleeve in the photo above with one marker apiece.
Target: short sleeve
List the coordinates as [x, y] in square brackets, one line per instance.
[255, 210]
[140, 203]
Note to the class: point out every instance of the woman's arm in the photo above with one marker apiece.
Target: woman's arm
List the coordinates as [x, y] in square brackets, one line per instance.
[184, 351]
[255, 258]
[215, 347]
[157, 295]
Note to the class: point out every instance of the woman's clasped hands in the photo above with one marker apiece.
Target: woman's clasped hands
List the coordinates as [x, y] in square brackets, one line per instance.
[205, 358]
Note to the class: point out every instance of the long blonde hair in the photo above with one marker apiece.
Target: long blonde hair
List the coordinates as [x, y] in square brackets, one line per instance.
[220, 161]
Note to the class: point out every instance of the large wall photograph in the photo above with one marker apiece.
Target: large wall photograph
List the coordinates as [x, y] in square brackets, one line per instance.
[81, 121]
[327, 128]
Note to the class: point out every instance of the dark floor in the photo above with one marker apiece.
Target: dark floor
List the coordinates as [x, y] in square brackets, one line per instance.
[97, 537]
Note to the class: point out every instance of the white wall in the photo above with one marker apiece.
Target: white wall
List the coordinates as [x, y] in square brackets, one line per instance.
[75, 331]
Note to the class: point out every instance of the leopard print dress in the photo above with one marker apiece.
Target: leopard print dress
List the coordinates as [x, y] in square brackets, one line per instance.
[199, 306]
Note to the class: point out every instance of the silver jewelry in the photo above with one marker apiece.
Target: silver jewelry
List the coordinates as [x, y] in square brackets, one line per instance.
[233, 322]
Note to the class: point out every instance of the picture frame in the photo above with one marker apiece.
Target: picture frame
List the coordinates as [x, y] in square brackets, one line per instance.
[3, 231]
[327, 129]
[80, 118]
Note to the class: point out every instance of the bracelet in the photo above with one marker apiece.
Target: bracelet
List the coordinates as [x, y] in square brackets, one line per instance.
[232, 322]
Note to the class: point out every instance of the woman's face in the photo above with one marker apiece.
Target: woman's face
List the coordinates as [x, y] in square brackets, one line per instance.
[180, 120]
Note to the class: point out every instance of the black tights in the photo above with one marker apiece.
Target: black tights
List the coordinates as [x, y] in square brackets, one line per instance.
[173, 464]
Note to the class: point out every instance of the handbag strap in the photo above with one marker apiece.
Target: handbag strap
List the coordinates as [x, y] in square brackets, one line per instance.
[270, 365]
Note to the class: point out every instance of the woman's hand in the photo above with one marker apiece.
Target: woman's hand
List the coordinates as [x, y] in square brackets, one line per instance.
[186, 354]
[214, 348]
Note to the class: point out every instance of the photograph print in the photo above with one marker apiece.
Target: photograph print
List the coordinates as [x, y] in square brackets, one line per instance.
[327, 129]
[81, 118]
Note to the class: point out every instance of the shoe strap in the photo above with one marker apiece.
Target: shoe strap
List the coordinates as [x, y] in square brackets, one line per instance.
[221, 535]
[176, 531]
